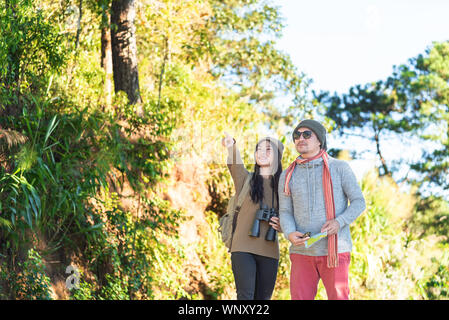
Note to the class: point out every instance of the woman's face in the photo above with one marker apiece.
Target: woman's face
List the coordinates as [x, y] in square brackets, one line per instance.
[265, 154]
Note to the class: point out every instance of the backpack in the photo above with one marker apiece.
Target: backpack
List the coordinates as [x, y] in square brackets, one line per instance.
[228, 221]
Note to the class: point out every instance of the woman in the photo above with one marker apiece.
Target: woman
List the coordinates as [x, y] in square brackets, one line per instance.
[255, 259]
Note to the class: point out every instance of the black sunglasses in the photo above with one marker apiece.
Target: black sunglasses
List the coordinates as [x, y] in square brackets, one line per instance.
[306, 134]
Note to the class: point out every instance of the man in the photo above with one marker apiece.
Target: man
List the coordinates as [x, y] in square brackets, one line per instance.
[313, 197]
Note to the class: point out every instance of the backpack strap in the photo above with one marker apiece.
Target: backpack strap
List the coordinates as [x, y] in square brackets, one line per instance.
[243, 192]
[242, 195]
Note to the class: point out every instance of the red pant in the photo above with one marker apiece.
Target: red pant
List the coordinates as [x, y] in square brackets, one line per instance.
[306, 272]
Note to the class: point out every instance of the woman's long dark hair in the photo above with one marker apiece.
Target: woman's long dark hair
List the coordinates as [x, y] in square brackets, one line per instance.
[256, 182]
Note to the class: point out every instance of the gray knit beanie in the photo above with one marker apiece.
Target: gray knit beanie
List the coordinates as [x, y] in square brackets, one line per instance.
[317, 128]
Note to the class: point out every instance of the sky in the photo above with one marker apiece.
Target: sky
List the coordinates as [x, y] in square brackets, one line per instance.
[339, 44]
[342, 43]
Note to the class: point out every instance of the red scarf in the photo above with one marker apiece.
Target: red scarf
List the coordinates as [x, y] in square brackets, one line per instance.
[332, 257]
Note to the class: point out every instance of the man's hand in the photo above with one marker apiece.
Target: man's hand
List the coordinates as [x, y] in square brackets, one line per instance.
[331, 227]
[297, 238]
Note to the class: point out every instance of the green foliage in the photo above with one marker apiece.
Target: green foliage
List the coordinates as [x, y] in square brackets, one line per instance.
[141, 254]
[282, 288]
[30, 51]
[214, 255]
[371, 106]
[245, 56]
[20, 199]
[29, 281]
[85, 291]
[387, 262]
[63, 183]
[437, 287]
[68, 158]
[431, 218]
[424, 86]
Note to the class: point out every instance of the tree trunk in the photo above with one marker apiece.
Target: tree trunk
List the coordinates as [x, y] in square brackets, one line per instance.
[382, 160]
[124, 49]
[78, 29]
[106, 57]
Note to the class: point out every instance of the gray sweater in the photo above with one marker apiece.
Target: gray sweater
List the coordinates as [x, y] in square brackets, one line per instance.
[305, 210]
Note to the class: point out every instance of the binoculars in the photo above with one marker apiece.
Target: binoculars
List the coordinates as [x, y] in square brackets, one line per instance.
[264, 214]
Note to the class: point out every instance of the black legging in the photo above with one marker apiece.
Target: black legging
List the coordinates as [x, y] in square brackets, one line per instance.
[255, 276]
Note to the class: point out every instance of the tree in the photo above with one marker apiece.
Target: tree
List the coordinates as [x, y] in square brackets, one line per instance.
[413, 101]
[240, 38]
[372, 108]
[106, 50]
[423, 85]
[124, 49]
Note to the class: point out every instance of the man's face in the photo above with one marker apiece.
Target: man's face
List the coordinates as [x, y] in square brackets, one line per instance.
[310, 146]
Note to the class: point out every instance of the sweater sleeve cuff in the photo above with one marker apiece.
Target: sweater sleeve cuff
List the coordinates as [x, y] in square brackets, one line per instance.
[287, 231]
[340, 221]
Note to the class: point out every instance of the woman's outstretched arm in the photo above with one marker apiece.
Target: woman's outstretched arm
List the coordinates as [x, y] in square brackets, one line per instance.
[234, 162]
